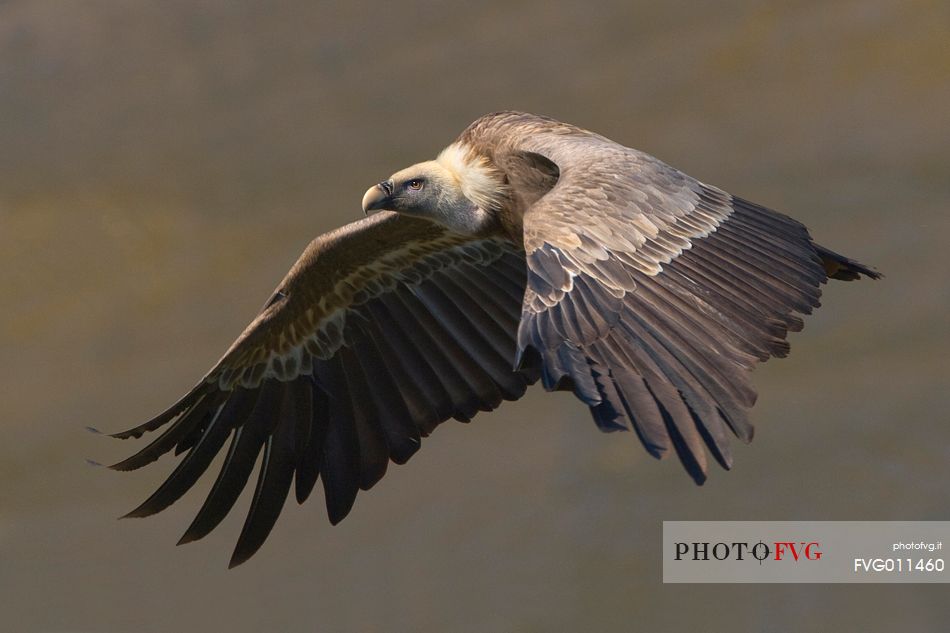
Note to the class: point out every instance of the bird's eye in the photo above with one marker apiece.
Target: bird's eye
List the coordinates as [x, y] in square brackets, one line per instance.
[415, 184]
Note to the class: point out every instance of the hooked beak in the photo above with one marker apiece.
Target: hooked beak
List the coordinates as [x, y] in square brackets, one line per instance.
[378, 197]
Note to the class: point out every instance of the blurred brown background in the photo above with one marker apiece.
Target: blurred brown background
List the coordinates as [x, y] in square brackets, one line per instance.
[163, 163]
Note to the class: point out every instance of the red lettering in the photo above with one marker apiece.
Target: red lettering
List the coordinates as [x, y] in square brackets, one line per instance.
[797, 550]
[780, 548]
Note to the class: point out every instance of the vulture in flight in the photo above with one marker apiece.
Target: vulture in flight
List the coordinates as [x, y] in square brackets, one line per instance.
[528, 249]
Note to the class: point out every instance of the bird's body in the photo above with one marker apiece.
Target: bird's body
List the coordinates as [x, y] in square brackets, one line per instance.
[528, 249]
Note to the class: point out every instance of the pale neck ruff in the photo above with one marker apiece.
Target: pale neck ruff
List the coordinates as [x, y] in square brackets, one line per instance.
[478, 179]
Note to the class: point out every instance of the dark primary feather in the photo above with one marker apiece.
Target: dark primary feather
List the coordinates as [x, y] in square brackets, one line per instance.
[246, 443]
[277, 468]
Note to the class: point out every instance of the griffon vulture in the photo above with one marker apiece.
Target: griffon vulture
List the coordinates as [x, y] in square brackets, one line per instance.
[527, 249]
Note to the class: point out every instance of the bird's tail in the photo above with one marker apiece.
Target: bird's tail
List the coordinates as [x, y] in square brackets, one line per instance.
[840, 267]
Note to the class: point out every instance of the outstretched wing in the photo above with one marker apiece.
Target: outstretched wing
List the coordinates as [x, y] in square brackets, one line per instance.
[650, 294]
[382, 330]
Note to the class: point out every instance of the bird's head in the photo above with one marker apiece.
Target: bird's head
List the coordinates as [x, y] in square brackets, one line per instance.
[454, 190]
